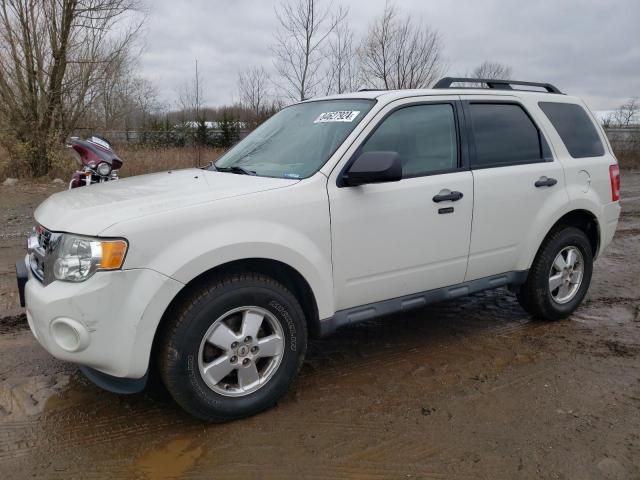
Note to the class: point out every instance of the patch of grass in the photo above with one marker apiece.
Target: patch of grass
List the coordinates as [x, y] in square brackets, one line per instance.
[141, 160]
[626, 146]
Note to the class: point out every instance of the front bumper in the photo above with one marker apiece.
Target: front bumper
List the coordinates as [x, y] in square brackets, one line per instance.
[113, 384]
[107, 322]
[22, 275]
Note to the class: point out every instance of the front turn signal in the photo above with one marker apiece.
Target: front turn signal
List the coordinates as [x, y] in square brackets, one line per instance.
[113, 253]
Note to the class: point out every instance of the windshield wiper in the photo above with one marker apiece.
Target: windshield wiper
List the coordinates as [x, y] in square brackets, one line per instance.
[235, 169]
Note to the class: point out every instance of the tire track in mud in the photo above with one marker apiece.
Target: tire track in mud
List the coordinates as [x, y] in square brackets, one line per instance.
[13, 323]
[392, 449]
[397, 354]
[97, 429]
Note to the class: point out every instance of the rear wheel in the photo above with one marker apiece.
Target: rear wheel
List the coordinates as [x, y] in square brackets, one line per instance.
[234, 347]
[560, 275]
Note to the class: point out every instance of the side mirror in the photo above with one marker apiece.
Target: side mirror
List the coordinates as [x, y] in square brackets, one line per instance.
[374, 167]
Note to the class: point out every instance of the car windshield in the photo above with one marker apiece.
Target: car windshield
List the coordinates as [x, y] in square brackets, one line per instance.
[297, 141]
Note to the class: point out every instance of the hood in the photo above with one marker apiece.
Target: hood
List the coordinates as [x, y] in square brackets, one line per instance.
[90, 210]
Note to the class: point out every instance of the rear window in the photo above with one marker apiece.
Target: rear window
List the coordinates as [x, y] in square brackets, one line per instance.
[575, 129]
[504, 135]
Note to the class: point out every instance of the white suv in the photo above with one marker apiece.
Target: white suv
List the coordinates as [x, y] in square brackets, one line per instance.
[334, 211]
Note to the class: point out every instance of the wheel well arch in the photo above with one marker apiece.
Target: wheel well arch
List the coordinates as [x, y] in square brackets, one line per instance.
[279, 271]
[583, 220]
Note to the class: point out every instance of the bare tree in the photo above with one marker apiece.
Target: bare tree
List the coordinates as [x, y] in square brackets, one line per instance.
[191, 98]
[253, 86]
[53, 54]
[304, 28]
[123, 100]
[624, 115]
[608, 120]
[343, 75]
[191, 107]
[125, 104]
[492, 70]
[145, 98]
[399, 52]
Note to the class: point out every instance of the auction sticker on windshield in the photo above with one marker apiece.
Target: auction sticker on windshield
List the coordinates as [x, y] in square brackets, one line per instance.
[342, 116]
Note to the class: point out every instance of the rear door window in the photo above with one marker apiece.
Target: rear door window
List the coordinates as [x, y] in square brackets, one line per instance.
[575, 129]
[504, 134]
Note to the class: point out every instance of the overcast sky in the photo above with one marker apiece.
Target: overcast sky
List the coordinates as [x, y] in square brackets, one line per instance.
[586, 48]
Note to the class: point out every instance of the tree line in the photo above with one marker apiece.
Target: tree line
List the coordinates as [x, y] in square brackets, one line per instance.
[69, 67]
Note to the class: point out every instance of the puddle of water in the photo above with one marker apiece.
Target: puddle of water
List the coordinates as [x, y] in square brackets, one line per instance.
[170, 461]
[29, 396]
[606, 313]
[73, 396]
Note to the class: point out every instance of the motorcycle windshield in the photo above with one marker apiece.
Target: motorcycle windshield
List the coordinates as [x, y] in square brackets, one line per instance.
[90, 152]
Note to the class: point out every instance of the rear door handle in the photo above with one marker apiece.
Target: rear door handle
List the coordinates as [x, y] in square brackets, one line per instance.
[451, 196]
[545, 182]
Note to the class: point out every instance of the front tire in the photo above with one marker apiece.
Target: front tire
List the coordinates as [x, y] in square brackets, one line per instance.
[560, 275]
[233, 348]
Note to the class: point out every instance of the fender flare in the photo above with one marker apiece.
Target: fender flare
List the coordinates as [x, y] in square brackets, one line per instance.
[529, 253]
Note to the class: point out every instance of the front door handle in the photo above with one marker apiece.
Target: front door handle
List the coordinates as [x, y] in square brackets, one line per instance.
[545, 182]
[451, 196]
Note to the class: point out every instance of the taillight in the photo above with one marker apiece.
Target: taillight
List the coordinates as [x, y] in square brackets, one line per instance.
[614, 173]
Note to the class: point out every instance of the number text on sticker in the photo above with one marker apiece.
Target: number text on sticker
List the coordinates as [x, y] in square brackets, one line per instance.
[343, 116]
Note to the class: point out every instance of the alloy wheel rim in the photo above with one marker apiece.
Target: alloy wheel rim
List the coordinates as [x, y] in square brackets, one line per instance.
[241, 351]
[565, 276]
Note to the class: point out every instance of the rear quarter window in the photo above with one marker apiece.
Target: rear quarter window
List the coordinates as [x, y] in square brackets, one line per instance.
[575, 129]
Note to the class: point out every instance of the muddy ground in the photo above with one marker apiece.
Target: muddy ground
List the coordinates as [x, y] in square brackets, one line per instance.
[472, 388]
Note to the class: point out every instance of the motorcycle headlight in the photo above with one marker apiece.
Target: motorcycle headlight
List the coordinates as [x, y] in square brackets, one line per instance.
[78, 258]
[104, 169]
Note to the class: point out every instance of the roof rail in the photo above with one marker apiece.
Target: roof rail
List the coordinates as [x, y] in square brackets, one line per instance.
[493, 83]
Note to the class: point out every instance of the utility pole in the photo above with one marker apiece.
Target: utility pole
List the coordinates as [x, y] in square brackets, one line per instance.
[197, 119]
[197, 93]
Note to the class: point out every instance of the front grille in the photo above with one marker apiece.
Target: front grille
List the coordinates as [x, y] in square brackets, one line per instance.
[36, 262]
[44, 237]
[39, 244]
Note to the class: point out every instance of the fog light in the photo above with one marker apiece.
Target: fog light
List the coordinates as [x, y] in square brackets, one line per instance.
[70, 335]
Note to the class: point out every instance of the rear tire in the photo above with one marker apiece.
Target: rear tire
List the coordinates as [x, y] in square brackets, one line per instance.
[560, 275]
[233, 348]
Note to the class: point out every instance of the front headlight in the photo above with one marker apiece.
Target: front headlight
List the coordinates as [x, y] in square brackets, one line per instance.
[78, 258]
[104, 169]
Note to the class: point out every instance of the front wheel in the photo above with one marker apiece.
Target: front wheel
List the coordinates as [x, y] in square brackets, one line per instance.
[560, 275]
[233, 348]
